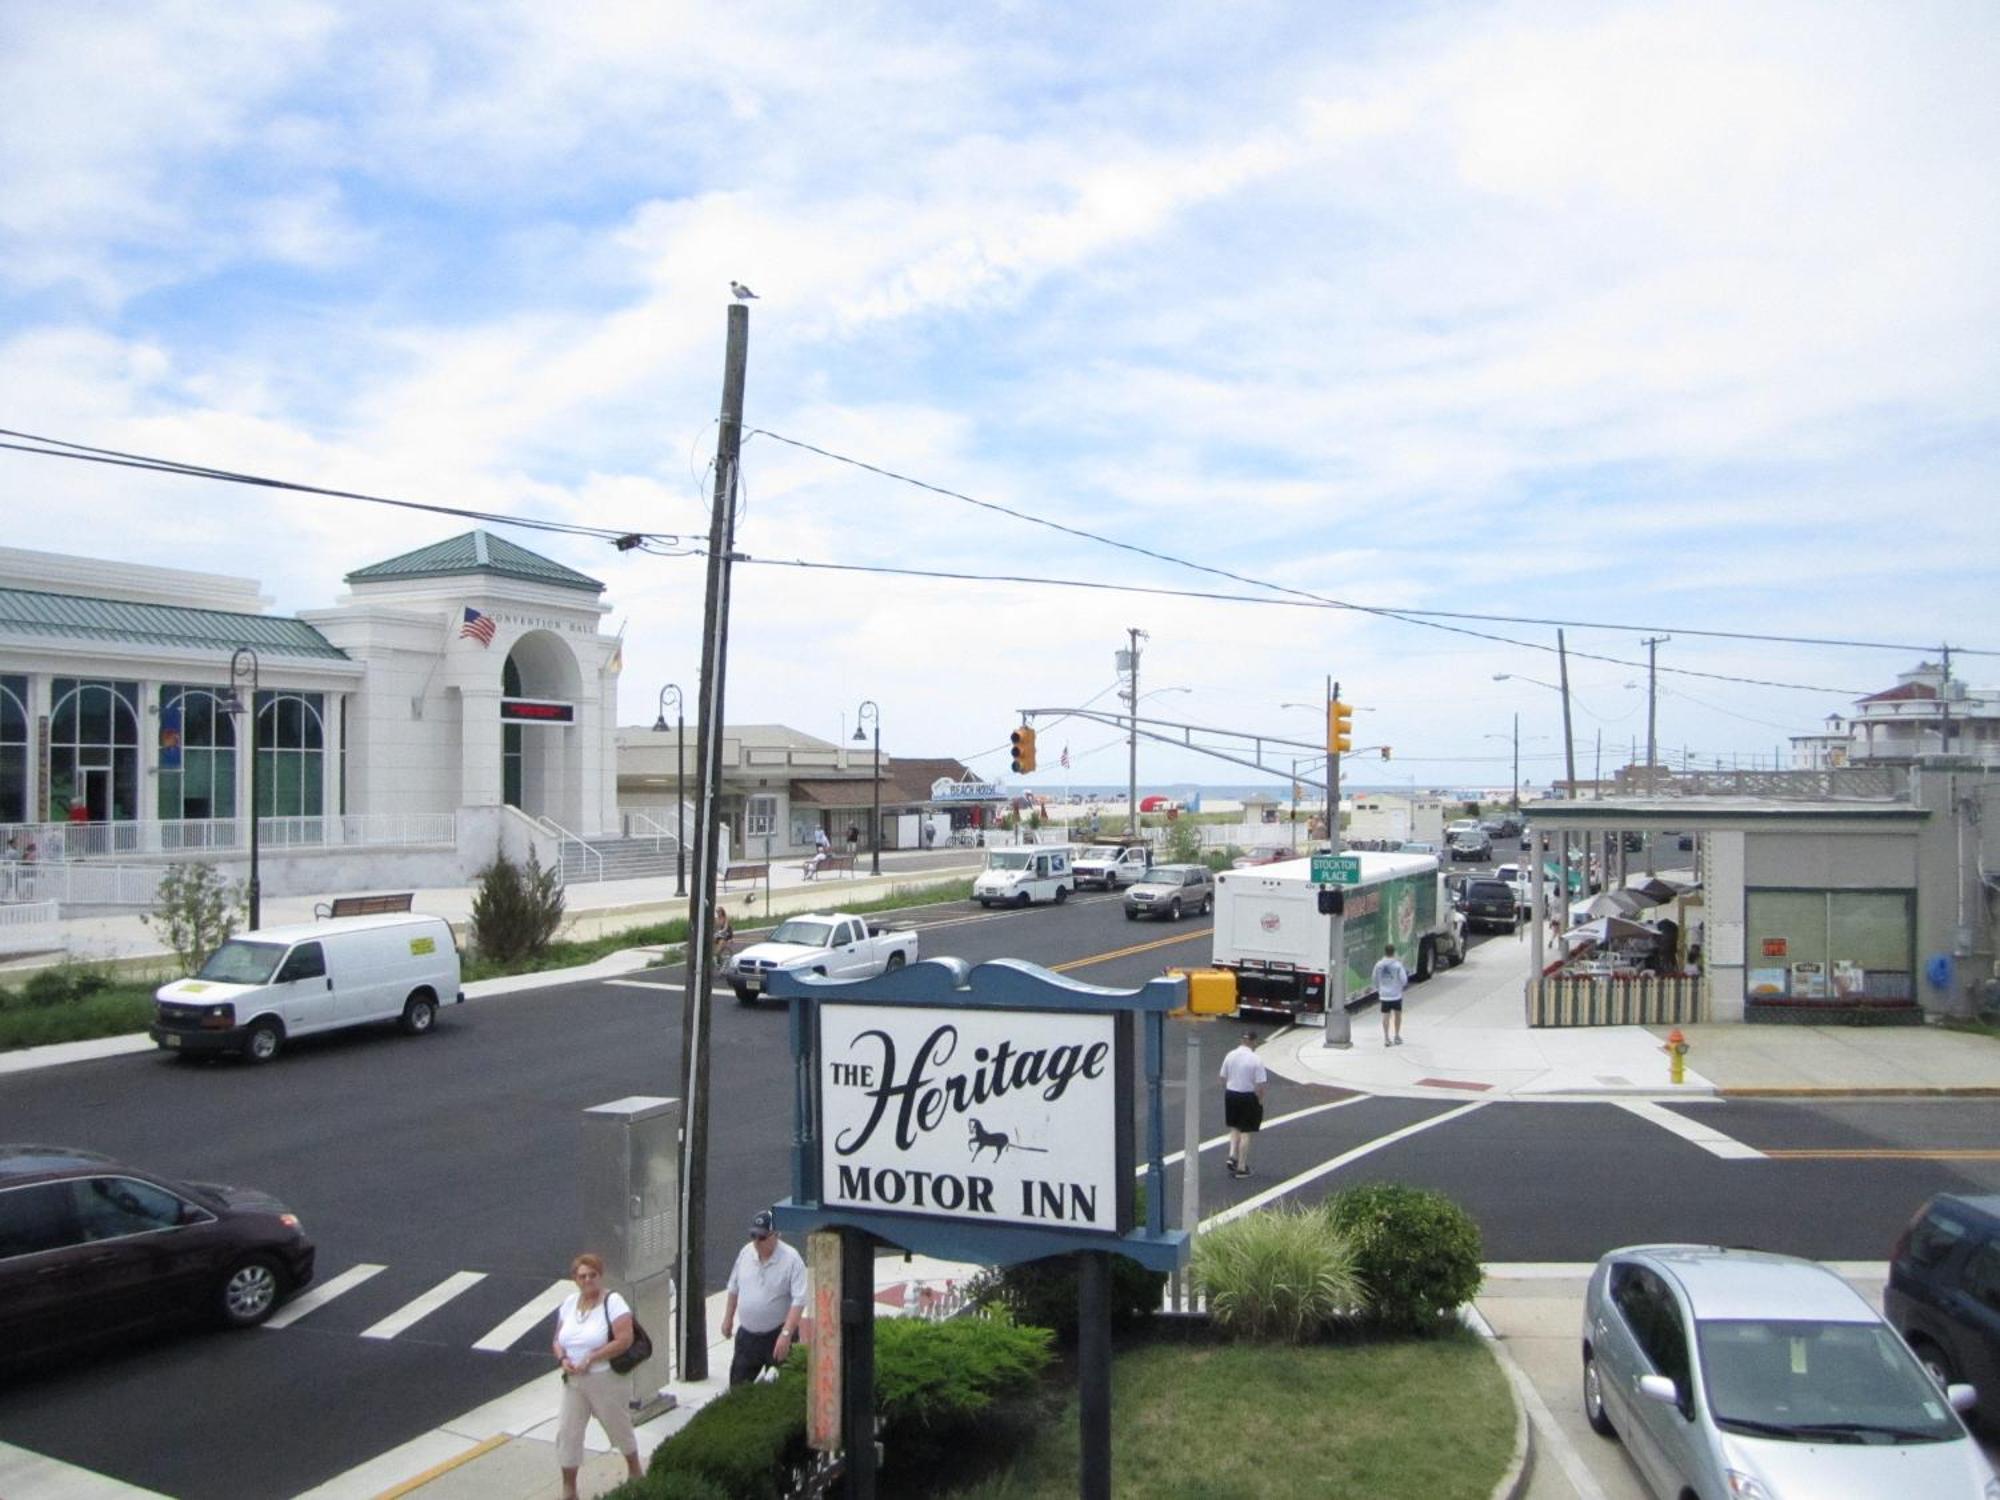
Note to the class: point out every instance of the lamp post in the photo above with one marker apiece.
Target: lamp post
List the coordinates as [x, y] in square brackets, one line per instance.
[867, 714]
[1514, 787]
[680, 780]
[241, 658]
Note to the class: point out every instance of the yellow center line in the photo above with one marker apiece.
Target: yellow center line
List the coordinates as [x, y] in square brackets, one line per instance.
[1891, 1155]
[1100, 958]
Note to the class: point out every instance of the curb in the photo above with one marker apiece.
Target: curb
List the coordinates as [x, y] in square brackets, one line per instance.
[1870, 1091]
[1512, 1484]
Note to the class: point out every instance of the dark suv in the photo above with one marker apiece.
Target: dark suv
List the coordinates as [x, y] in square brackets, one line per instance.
[1489, 903]
[90, 1247]
[1944, 1293]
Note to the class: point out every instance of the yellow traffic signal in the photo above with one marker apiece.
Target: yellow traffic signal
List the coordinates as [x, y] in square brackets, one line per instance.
[1339, 726]
[1385, 752]
[1023, 740]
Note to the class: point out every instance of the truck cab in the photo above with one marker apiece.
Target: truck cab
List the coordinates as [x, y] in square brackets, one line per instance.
[1110, 866]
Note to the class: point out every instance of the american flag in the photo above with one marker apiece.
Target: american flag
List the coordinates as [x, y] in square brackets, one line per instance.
[479, 627]
[1065, 758]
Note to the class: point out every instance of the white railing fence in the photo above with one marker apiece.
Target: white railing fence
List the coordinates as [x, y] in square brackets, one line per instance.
[592, 861]
[28, 927]
[640, 825]
[57, 842]
[81, 883]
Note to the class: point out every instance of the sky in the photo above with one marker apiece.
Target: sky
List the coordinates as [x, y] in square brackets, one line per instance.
[1655, 318]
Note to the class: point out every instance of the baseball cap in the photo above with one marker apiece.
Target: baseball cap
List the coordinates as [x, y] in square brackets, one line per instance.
[760, 1223]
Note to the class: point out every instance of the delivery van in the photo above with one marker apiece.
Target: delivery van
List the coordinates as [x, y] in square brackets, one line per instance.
[260, 989]
[1015, 877]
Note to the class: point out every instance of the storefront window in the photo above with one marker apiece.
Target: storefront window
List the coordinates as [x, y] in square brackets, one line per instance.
[1831, 945]
[13, 749]
[291, 755]
[93, 751]
[197, 754]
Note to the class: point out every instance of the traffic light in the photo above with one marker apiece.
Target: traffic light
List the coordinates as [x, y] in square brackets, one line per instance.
[1385, 752]
[1339, 726]
[1024, 750]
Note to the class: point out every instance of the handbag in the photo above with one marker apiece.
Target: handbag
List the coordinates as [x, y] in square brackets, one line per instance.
[637, 1352]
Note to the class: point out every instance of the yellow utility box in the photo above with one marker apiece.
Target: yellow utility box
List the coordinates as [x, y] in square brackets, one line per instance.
[1211, 992]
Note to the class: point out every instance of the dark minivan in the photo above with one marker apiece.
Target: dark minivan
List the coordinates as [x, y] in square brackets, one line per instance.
[90, 1248]
[1944, 1293]
[1489, 903]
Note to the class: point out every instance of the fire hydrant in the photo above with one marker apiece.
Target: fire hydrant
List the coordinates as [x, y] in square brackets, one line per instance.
[1677, 1054]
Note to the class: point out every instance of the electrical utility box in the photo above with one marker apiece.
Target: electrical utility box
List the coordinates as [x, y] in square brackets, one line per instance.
[631, 1213]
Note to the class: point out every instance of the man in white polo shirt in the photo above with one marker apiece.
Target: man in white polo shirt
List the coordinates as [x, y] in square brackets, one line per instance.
[1390, 980]
[767, 1285]
[1243, 1080]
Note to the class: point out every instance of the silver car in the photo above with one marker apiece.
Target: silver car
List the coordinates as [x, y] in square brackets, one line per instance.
[1737, 1375]
[1169, 890]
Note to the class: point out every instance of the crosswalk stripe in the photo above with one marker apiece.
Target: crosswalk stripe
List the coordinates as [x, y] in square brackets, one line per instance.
[1694, 1132]
[503, 1334]
[418, 1308]
[320, 1295]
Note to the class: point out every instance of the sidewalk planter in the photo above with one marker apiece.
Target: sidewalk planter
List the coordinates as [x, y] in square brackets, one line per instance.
[1647, 1000]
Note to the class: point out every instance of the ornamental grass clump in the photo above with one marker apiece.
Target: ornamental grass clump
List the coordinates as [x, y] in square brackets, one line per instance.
[1278, 1276]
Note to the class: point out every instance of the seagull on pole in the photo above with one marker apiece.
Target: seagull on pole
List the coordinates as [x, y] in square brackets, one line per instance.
[741, 292]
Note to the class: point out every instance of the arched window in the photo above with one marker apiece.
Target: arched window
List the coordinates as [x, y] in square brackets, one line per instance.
[93, 749]
[291, 754]
[203, 785]
[13, 749]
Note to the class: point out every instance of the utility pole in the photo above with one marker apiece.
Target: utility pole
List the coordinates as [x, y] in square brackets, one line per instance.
[1652, 643]
[1944, 705]
[1514, 792]
[1569, 752]
[692, 1287]
[1131, 666]
[1338, 1032]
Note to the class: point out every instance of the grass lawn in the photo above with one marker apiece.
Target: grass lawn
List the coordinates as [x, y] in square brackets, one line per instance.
[1423, 1419]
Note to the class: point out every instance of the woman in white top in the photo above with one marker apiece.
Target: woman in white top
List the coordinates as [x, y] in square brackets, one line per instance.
[592, 1326]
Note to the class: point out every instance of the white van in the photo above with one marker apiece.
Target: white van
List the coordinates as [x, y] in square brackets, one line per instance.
[1033, 872]
[261, 988]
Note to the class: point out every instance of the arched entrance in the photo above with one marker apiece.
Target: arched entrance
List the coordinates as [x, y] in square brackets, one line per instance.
[540, 760]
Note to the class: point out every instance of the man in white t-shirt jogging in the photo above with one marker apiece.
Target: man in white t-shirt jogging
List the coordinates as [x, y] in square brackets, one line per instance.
[768, 1286]
[1390, 979]
[1243, 1080]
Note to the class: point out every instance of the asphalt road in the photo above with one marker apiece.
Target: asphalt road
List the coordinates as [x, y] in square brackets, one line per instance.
[454, 1156]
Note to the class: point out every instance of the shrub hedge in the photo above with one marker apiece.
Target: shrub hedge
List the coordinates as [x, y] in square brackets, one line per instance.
[1280, 1275]
[1416, 1250]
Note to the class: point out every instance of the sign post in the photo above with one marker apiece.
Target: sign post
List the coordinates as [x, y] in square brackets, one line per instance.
[984, 1115]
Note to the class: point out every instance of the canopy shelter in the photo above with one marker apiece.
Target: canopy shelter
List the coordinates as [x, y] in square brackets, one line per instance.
[1605, 931]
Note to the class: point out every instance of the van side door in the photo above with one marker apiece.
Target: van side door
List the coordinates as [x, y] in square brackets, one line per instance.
[303, 992]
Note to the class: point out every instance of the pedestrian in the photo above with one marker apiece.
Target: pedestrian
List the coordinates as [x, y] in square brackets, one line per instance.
[930, 834]
[593, 1326]
[725, 936]
[1243, 1081]
[1390, 979]
[853, 840]
[768, 1285]
[821, 842]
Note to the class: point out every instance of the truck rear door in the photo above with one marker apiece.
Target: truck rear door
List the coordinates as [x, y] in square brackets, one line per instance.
[1258, 919]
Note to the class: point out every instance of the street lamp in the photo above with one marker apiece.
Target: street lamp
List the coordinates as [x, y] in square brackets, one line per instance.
[237, 664]
[680, 780]
[868, 713]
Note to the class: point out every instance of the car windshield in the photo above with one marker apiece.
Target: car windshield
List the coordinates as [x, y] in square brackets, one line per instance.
[238, 962]
[1009, 859]
[805, 934]
[1817, 1382]
[1099, 851]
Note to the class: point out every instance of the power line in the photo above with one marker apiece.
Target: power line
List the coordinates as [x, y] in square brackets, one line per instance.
[1426, 617]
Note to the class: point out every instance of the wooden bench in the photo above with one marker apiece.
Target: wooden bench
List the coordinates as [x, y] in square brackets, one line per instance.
[365, 906]
[731, 874]
[831, 864]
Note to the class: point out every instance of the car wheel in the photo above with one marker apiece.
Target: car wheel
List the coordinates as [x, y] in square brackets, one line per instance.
[249, 1292]
[744, 997]
[896, 962]
[1934, 1360]
[262, 1041]
[1593, 1399]
[1174, 910]
[1062, 894]
[1131, 915]
[419, 1014]
[1022, 899]
[1426, 960]
[1207, 905]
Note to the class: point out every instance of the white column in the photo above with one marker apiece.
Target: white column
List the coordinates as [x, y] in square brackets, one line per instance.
[147, 813]
[479, 747]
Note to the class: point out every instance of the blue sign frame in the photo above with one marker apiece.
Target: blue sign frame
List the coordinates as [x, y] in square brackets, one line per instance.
[1002, 984]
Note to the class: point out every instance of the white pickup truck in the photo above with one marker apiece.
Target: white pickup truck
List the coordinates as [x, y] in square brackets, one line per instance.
[1110, 866]
[835, 945]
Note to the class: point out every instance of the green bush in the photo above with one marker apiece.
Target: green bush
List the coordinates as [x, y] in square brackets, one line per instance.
[196, 910]
[1281, 1275]
[944, 1391]
[675, 1484]
[110, 1012]
[65, 984]
[1042, 1293]
[1183, 842]
[742, 1442]
[516, 911]
[1417, 1252]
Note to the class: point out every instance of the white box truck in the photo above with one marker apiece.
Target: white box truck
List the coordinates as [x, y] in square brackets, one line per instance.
[1270, 933]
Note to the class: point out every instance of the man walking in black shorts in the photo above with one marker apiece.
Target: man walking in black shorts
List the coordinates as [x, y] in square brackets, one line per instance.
[1390, 979]
[1243, 1080]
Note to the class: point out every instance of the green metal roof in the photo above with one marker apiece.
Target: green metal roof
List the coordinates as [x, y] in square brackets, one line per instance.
[475, 552]
[79, 617]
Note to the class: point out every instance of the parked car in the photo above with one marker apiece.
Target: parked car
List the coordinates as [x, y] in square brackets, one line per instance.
[1943, 1294]
[1169, 890]
[1503, 827]
[1489, 904]
[90, 1247]
[1419, 846]
[1474, 845]
[1737, 1373]
[834, 945]
[260, 989]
